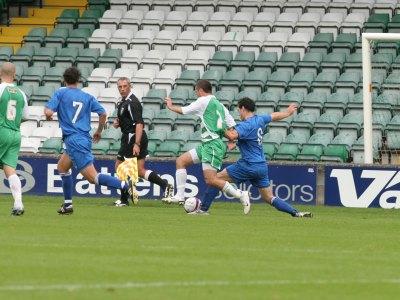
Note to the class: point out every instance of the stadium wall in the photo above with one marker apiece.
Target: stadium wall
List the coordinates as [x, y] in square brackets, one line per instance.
[346, 185]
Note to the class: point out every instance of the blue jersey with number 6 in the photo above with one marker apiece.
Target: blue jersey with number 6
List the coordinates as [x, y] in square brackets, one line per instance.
[73, 107]
[250, 139]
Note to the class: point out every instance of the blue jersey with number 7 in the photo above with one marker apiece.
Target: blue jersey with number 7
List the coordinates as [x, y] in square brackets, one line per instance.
[73, 107]
[250, 139]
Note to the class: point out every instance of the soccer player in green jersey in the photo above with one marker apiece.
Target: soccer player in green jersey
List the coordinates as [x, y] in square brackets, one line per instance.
[13, 109]
[215, 119]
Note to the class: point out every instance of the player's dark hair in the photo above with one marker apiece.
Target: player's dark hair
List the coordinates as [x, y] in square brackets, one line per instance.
[247, 103]
[205, 85]
[72, 75]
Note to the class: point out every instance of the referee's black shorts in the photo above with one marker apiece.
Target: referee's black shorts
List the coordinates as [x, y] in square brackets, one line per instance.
[126, 150]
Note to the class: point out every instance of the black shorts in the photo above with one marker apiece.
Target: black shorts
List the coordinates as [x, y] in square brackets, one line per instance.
[126, 150]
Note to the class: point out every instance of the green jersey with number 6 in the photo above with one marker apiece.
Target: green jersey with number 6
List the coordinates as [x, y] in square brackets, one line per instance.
[215, 118]
[12, 104]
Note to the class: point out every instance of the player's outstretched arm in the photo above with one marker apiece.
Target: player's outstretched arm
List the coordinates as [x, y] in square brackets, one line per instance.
[102, 122]
[171, 107]
[48, 113]
[276, 116]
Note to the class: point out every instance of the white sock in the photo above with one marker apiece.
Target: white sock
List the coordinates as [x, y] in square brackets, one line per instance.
[180, 176]
[15, 186]
[231, 191]
[147, 174]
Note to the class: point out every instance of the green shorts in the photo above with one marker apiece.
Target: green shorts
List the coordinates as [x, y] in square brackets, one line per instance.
[10, 144]
[211, 152]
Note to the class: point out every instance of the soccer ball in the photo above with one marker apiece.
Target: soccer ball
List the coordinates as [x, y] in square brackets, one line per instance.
[192, 204]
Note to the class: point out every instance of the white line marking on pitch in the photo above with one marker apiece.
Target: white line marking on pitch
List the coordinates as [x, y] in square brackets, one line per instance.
[138, 285]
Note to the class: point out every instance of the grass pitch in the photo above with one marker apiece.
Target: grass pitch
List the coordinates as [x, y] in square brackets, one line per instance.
[156, 251]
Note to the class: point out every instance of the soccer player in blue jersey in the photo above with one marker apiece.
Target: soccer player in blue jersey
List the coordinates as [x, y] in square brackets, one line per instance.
[74, 108]
[252, 166]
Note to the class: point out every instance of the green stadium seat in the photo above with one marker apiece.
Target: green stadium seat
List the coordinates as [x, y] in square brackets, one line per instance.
[110, 59]
[101, 147]
[327, 124]
[57, 38]
[325, 82]
[179, 96]
[311, 62]
[335, 153]
[289, 98]
[351, 124]
[334, 62]
[231, 80]
[164, 120]
[51, 145]
[394, 123]
[301, 82]
[78, 38]
[322, 42]
[348, 83]
[33, 76]
[382, 61]
[187, 123]
[66, 57]
[278, 81]
[225, 97]
[274, 138]
[68, 19]
[269, 151]
[168, 149]
[314, 102]
[187, 79]
[269, 100]
[178, 136]
[255, 81]
[321, 139]
[195, 136]
[154, 99]
[287, 152]
[394, 25]
[265, 62]
[221, 60]
[101, 5]
[87, 58]
[54, 77]
[353, 63]
[114, 148]
[157, 136]
[112, 134]
[35, 37]
[376, 23]
[310, 153]
[243, 61]
[288, 62]
[23, 56]
[44, 56]
[245, 94]
[27, 89]
[303, 124]
[391, 82]
[337, 103]
[344, 43]
[41, 94]
[5, 53]
[89, 19]
[151, 147]
[147, 115]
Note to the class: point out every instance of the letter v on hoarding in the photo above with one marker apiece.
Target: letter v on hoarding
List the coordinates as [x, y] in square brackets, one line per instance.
[347, 186]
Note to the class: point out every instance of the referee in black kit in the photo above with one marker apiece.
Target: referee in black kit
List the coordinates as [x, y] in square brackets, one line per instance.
[134, 139]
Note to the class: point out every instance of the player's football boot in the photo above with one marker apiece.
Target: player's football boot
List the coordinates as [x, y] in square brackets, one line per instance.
[173, 200]
[303, 214]
[132, 191]
[120, 203]
[245, 200]
[169, 191]
[199, 212]
[65, 210]
[17, 211]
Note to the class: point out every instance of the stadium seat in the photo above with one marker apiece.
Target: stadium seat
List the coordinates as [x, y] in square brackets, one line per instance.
[263, 22]
[23, 56]
[153, 20]
[51, 145]
[197, 60]
[335, 153]
[131, 20]
[253, 42]
[218, 22]
[275, 7]
[285, 23]
[41, 94]
[278, 81]
[330, 23]
[345, 43]
[131, 59]
[322, 42]
[165, 79]
[225, 97]
[353, 23]
[265, 62]
[255, 81]
[111, 19]
[288, 62]
[157, 136]
[231, 41]
[276, 42]
[142, 40]
[33, 76]
[165, 40]
[324, 82]
[101, 147]
[5, 53]
[118, 73]
[68, 19]
[298, 42]
[314, 102]
[167, 149]
[209, 41]
[187, 41]
[351, 125]
[362, 6]
[221, 60]
[175, 21]
[308, 23]
[254, 95]
[241, 22]
[287, 152]
[89, 19]
[99, 77]
[187, 79]
[44, 57]
[87, 58]
[231, 80]
[120, 39]
[114, 148]
[78, 38]
[164, 120]
[35, 37]
[301, 82]
[66, 57]
[197, 21]
[334, 62]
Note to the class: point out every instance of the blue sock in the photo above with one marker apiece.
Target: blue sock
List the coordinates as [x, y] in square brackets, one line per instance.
[107, 180]
[281, 205]
[209, 197]
[67, 186]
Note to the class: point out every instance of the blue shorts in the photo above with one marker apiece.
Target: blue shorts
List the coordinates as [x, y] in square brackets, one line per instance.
[79, 149]
[256, 173]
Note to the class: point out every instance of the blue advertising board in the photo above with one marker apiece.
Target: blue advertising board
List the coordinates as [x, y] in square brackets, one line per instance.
[39, 176]
[362, 187]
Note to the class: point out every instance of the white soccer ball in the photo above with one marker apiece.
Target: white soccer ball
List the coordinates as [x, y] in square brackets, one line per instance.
[192, 204]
